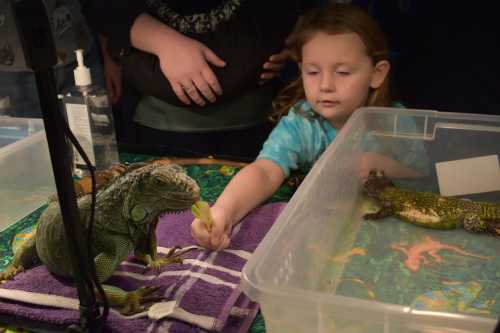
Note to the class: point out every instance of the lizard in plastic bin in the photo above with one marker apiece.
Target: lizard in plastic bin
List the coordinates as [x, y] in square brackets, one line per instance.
[428, 209]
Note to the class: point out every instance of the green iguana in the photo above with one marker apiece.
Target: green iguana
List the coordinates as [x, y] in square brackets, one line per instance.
[126, 215]
[429, 209]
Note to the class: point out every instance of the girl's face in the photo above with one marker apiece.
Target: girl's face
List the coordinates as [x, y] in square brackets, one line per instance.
[338, 74]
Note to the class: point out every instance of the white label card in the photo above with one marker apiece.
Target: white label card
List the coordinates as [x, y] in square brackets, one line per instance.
[469, 176]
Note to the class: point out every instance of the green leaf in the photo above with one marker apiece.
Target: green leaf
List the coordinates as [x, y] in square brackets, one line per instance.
[201, 210]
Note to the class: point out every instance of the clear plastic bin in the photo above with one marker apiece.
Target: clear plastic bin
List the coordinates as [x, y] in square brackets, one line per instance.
[26, 178]
[323, 268]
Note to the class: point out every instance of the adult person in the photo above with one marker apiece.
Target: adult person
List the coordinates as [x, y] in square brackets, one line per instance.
[198, 68]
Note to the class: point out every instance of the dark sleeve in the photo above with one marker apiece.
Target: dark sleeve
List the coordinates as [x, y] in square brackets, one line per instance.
[245, 42]
[113, 19]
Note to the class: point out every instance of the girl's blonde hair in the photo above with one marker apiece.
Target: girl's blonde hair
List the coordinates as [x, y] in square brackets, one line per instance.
[334, 19]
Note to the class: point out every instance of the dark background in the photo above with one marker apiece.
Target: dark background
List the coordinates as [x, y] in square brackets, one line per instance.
[444, 54]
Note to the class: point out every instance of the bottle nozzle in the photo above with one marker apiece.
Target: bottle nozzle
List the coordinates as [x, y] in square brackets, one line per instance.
[81, 72]
[79, 57]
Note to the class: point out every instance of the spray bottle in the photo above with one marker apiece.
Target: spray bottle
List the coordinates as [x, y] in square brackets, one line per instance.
[91, 120]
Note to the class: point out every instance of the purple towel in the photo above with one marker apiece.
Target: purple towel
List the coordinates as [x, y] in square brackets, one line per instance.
[203, 291]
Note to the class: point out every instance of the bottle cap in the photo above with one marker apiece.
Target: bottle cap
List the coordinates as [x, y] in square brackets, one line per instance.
[81, 72]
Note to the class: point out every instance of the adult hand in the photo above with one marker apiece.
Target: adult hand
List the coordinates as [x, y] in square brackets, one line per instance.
[113, 77]
[274, 65]
[219, 236]
[184, 62]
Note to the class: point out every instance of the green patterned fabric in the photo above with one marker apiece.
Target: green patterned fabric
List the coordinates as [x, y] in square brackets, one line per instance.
[211, 178]
[8, 235]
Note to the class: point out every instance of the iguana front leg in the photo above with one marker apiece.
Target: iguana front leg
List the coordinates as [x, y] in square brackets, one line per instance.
[106, 262]
[145, 250]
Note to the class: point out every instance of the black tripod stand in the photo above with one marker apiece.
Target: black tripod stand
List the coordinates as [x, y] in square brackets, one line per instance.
[40, 55]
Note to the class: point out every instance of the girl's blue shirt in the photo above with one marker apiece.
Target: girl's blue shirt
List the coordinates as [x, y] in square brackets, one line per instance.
[300, 137]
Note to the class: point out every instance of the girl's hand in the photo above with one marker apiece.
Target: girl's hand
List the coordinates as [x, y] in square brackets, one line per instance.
[113, 77]
[274, 65]
[219, 237]
[375, 161]
[184, 62]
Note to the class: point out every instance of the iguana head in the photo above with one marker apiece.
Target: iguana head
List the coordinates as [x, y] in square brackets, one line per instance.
[172, 187]
[376, 183]
[159, 189]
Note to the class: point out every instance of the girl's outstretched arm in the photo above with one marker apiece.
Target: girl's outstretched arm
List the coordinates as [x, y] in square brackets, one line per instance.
[250, 187]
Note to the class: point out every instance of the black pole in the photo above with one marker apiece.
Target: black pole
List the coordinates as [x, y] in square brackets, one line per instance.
[39, 51]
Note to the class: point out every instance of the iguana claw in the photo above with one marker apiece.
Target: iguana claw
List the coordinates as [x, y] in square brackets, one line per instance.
[163, 261]
[136, 298]
[173, 257]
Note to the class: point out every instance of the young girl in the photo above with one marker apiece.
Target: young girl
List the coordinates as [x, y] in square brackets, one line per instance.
[343, 59]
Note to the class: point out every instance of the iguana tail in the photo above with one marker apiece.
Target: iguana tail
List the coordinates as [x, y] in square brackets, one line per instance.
[24, 258]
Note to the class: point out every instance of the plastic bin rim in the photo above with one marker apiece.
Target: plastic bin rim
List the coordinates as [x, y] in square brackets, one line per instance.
[423, 112]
